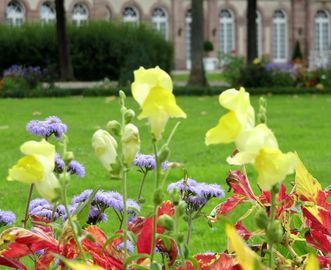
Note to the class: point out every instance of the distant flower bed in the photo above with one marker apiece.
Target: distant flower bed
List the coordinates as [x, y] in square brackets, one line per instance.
[287, 229]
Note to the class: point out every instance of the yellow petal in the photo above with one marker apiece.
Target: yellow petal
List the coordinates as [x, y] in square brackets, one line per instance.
[130, 142]
[305, 184]
[226, 131]
[273, 166]
[27, 170]
[246, 257]
[42, 148]
[48, 187]
[312, 263]
[238, 102]
[250, 142]
[147, 79]
[82, 266]
[158, 107]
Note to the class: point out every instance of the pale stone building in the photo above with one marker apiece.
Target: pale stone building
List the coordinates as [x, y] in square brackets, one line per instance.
[280, 23]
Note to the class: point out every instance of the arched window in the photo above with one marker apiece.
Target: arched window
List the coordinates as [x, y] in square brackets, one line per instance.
[226, 36]
[279, 37]
[47, 12]
[15, 13]
[108, 14]
[131, 15]
[322, 32]
[188, 29]
[160, 21]
[259, 34]
[79, 14]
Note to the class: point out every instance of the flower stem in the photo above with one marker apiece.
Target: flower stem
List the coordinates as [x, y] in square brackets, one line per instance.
[142, 185]
[272, 213]
[26, 216]
[189, 228]
[125, 214]
[157, 179]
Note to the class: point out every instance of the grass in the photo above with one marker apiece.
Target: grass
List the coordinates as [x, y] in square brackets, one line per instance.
[301, 123]
[211, 77]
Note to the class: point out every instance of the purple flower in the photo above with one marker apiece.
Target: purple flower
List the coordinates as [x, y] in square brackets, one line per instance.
[74, 167]
[147, 162]
[129, 246]
[196, 194]
[51, 125]
[95, 216]
[59, 164]
[7, 218]
[133, 207]
[42, 208]
[109, 199]
[279, 67]
[82, 197]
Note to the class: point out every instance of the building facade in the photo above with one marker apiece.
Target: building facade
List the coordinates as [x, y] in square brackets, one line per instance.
[281, 23]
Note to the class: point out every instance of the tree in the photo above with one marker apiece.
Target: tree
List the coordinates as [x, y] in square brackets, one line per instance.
[197, 73]
[251, 31]
[65, 66]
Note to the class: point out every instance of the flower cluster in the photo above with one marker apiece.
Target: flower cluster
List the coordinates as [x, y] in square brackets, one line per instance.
[73, 167]
[196, 194]
[147, 162]
[104, 200]
[41, 208]
[52, 125]
[20, 71]
[7, 218]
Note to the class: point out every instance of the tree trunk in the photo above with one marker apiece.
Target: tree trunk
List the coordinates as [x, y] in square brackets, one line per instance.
[65, 66]
[251, 31]
[197, 74]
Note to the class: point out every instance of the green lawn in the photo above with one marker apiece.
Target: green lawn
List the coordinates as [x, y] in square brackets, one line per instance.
[301, 123]
[211, 77]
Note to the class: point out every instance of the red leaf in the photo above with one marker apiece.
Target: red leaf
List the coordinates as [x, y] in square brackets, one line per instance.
[25, 242]
[319, 241]
[239, 184]
[11, 263]
[225, 207]
[242, 231]
[324, 262]
[209, 261]
[311, 221]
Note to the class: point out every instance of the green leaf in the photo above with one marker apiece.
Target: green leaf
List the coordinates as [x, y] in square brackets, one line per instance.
[134, 258]
[116, 235]
[194, 263]
[83, 209]
[156, 266]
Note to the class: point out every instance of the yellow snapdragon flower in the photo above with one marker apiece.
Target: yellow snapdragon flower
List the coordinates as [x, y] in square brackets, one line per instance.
[36, 167]
[241, 116]
[152, 89]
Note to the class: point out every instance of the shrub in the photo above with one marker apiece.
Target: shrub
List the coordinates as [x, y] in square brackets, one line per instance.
[98, 50]
[232, 67]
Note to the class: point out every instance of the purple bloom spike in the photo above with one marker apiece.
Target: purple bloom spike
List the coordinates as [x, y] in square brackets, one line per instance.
[147, 162]
[74, 167]
[52, 125]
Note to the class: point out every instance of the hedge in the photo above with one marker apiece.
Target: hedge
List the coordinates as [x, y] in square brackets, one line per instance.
[178, 91]
[98, 50]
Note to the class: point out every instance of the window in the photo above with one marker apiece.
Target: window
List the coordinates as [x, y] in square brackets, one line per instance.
[47, 12]
[259, 34]
[226, 36]
[279, 37]
[108, 14]
[322, 32]
[131, 15]
[188, 26]
[79, 14]
[15, 13]
[160, 21]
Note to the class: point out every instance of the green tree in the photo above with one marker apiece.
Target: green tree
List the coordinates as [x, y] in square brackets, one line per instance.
[251, 31]
[65, 65]
[197, 73]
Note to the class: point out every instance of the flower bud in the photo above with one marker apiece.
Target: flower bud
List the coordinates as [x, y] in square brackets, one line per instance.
[114, 127]
[166, 222]
[105, 147]
[180, 209]
[164, 153]
[158, 196]
[175, 196]
[275, 232]
[261, 219]
[122, 94]
[131, 143]
[68, 156]
[180, 238]
[129, 115]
